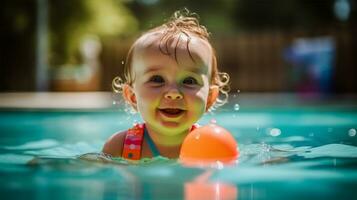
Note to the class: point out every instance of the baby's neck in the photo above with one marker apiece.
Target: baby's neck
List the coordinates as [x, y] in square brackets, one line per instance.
[168, 145]
[166, 140]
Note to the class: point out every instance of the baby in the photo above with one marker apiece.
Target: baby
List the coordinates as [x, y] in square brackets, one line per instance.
[171, 79]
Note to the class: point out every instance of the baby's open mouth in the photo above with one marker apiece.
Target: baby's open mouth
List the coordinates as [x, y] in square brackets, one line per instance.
[172, 112]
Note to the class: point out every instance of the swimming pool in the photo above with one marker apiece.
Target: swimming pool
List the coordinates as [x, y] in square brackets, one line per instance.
[287, 152]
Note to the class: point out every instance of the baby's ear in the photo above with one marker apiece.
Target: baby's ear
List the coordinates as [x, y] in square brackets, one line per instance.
[212, 96]
[129, 95]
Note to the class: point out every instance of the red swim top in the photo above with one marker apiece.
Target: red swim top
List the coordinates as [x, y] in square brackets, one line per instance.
[133, 141]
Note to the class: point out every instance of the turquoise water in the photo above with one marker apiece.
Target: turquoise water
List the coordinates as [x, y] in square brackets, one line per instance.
[286, 153]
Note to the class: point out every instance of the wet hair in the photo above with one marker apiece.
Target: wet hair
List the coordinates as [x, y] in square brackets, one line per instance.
[186, 23]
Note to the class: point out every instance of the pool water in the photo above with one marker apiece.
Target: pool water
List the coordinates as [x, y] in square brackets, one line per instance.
[285, 153]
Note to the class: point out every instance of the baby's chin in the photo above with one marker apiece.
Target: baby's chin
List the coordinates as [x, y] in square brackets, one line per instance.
[173, 128]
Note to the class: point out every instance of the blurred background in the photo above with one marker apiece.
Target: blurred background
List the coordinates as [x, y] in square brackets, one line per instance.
[270, 46]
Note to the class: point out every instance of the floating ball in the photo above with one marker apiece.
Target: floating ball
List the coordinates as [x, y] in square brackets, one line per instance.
[208, 144]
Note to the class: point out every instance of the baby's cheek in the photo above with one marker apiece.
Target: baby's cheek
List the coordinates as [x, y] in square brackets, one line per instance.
[198, 106]
[149, 96]
[148, 104]
[148, 93]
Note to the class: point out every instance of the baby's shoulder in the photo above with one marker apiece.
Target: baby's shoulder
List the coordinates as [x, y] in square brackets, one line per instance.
[114, 145]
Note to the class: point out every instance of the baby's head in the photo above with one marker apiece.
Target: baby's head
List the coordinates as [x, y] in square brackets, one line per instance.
[171, 75]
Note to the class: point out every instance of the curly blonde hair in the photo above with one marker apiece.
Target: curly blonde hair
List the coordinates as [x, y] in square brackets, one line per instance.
[182, 22]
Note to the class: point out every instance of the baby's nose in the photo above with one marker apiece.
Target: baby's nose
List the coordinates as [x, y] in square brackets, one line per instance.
[173, 94]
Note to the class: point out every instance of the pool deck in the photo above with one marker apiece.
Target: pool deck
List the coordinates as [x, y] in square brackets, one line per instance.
[104, 100]
[56, 100]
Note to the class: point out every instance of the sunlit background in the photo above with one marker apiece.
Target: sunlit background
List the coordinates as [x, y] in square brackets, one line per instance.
[274, 46]
[292, 107]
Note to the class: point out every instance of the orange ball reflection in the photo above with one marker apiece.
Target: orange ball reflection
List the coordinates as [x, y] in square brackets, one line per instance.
[208, 191]
[208, 144]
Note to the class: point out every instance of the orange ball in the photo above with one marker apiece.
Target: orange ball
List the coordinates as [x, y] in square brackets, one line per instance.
[208, 144]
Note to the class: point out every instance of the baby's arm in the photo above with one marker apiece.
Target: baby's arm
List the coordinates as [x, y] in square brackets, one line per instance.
[114, 145]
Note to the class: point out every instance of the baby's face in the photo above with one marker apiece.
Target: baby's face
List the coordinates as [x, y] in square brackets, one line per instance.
[171, 93]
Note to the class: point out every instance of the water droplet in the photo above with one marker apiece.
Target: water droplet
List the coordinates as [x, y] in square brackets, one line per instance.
[275, 132]
[122, 62]
[219, 165]
[114, 102]
[352, 132]
[197, 136]
[311, 134]
[258, 128]
[213, 121]
[236, 107]
[238, 91]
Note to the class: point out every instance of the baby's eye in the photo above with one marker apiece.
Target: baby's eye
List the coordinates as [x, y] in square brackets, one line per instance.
[190, 81]
[156, 79]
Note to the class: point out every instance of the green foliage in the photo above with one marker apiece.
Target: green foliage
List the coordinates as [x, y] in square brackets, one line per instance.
[71, 21]
[214, 14]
